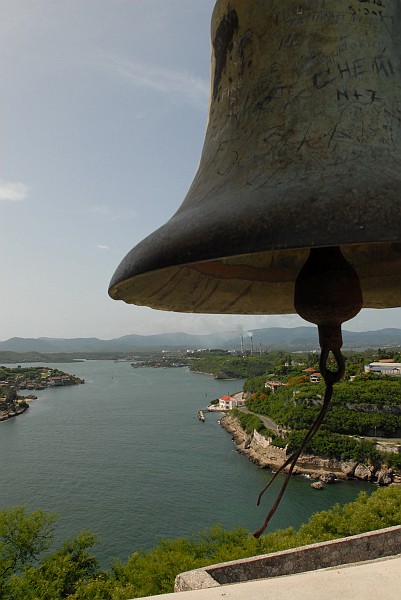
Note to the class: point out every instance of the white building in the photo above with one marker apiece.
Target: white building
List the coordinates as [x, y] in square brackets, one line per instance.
[384, 368]
[274, 385]
[229, 402]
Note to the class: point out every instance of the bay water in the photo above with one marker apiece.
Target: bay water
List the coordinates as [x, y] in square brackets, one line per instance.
[126, 457]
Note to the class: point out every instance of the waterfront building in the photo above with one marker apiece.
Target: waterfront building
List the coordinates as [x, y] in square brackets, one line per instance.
[229, 402]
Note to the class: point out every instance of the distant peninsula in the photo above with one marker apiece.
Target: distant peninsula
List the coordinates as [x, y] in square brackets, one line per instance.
[15, 379]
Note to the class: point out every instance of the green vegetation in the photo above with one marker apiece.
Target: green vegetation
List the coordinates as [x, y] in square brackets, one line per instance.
[145, 356]
[369, 405]
[361, 407]
[234, 366]
[21, 377]
[9, 356]
[71, 571]
[282, 365]
[334, 445]
[23, 537]
[250, 422]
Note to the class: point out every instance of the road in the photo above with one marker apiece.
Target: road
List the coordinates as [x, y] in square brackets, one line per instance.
[267, 422]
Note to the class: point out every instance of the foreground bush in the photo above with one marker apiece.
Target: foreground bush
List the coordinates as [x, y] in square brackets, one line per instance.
[72, 573]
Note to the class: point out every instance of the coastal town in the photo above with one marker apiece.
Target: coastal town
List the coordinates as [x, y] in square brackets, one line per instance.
[13, 380]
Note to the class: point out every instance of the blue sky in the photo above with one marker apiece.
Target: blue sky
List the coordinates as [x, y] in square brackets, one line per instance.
[103, 112]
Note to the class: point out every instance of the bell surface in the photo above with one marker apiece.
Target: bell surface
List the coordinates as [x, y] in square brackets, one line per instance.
[302, 150]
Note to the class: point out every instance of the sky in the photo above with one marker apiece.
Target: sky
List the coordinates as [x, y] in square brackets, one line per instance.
[103, 112]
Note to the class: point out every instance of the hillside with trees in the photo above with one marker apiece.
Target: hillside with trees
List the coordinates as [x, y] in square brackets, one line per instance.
[364, 407]
[370, 405]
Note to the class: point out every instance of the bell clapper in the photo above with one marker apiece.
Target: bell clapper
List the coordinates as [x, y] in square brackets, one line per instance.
[327, 293]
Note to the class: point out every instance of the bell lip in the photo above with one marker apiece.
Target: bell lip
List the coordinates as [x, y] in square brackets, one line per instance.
[189, 238]
[140, 280]
[378, 292]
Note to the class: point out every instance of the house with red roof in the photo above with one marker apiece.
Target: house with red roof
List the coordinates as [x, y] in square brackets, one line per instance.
[314, 375]
[229, 402]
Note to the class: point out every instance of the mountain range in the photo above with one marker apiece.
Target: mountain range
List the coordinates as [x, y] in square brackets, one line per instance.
[294, 338]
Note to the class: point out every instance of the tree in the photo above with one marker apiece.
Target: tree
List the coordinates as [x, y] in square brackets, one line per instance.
[11, 394]
[23, 537]
[60, 574]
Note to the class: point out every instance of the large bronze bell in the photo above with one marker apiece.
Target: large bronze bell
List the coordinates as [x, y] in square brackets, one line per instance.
[296, 205]
[302, 150]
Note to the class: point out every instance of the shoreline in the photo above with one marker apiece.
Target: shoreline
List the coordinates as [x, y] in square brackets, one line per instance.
[15, 379]
[267, 456]
[10, 415]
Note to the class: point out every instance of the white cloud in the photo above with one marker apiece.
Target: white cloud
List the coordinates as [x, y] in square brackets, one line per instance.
[102, 247]
[188, 88]
[101, 211]
[104, 212]
[12, 191]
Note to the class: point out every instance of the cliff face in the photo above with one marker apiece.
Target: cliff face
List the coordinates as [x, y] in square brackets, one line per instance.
[258, 449]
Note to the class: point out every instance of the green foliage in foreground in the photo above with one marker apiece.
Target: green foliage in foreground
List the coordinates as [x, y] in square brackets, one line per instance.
[23, 537]
[72, 573]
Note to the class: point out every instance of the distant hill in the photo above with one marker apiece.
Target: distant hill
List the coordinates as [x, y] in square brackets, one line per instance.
[293, 339]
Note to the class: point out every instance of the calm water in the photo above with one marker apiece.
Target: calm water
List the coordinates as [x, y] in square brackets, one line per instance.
[125, 456]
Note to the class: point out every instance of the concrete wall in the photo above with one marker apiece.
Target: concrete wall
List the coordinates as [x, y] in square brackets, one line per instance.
[366, 546]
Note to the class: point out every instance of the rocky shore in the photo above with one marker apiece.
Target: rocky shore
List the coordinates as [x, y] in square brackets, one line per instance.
[9, 414]
[326, 470]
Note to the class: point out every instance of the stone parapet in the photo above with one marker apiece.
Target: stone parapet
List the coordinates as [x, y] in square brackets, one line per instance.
[358, 548]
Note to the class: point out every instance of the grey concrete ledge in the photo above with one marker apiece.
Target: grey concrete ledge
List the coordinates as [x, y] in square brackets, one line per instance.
[378, 579]
[354, 549]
